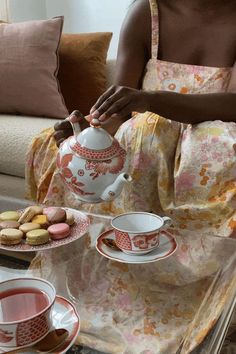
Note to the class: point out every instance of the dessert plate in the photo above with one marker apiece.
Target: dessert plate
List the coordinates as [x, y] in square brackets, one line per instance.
[78, 229]
[167, 246]
[64, 315]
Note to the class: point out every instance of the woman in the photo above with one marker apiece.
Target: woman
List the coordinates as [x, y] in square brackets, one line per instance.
[181, 53]
[183, 60]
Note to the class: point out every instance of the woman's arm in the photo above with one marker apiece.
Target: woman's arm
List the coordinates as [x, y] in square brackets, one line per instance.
[193, 108]
[133, 53]
[197, 108]
[133, 49]
[186, 108]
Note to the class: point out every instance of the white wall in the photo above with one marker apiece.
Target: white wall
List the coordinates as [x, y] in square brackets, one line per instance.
[24, 10]
[80, 15]
[91, 16]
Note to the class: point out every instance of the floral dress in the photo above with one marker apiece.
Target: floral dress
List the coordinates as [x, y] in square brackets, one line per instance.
[184, 171]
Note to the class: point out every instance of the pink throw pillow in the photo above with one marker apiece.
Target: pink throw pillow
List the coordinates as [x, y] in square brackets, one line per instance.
[28, 69]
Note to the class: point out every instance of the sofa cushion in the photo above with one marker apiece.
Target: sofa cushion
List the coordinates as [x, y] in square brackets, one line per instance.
[11, 187]
[16, 134]
[28, 68]
[82, 70]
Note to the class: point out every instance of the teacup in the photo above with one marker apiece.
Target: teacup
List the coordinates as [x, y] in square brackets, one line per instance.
[25, 311]
[137, 233]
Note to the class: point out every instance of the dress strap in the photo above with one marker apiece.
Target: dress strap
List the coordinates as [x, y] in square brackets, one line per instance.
[155, 28]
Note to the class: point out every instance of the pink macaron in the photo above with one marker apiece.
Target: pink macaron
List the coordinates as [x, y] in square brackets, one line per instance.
[55, 215]
[59, 231]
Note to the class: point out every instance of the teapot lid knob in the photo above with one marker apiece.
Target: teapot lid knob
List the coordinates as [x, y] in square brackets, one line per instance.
[95, 123]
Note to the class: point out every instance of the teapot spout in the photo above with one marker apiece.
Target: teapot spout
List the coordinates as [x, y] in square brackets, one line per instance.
[112, 191]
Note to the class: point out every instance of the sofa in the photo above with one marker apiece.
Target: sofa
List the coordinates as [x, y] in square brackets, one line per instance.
[16, 133]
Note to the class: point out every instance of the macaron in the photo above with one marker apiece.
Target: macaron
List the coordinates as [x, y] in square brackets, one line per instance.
[11, 224]
[29, 226]
[10, 237]
[41, 220]
[70, 219]
[37, 237]
[55, 215]
[37, 209]
[27, 215]
[48, 209]
[59, 231]
[9, 215]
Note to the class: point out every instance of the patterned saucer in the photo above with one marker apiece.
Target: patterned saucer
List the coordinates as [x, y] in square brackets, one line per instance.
[78, 229]
[64, 315]
[167, 246]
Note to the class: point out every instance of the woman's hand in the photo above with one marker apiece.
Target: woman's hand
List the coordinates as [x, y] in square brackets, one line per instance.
[64, 129]
[118, 102]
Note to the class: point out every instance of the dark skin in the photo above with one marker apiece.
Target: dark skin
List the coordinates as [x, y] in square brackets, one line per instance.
[198, 32]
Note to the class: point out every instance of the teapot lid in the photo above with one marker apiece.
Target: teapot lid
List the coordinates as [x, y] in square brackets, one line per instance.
[95, 143]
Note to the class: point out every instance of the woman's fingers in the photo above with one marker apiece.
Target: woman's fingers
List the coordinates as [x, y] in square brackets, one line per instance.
[115, 100]
[100, 101]
[59, 134]
[63, 125]
[116, 108]
[59, 142]
[112, 104]
[124, 114]
[75, 116]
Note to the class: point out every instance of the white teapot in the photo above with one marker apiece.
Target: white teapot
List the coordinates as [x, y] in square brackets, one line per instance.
[92, 163]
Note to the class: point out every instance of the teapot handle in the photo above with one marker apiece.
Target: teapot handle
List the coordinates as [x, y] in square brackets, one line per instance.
[73, 119]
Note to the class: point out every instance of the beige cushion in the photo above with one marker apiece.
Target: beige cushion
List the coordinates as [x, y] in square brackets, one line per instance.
[28, 68]
[13, 188]
[110, 71]
[16, 133]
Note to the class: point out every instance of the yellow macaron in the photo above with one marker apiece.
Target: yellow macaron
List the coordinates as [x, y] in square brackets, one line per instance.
[9, 216]
[41, 220]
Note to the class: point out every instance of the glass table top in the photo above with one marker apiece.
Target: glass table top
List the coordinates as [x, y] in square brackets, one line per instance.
[176, 301]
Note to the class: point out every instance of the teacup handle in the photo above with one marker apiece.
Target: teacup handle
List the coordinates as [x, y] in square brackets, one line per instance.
[167, 221]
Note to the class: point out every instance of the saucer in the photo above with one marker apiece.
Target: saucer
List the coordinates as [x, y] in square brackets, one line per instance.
[167, 246]
[77, 230]
[64, 315]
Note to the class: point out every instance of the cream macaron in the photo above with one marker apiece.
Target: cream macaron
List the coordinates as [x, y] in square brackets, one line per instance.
[70, 219]
[29, 226]
[10, 237]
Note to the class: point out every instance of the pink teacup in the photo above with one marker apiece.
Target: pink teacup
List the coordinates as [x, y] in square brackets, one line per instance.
[25, 311]
[137, 233]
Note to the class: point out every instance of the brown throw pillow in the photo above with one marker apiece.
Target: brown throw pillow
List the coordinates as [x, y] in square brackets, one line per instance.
[28, 68]
[82, 74]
